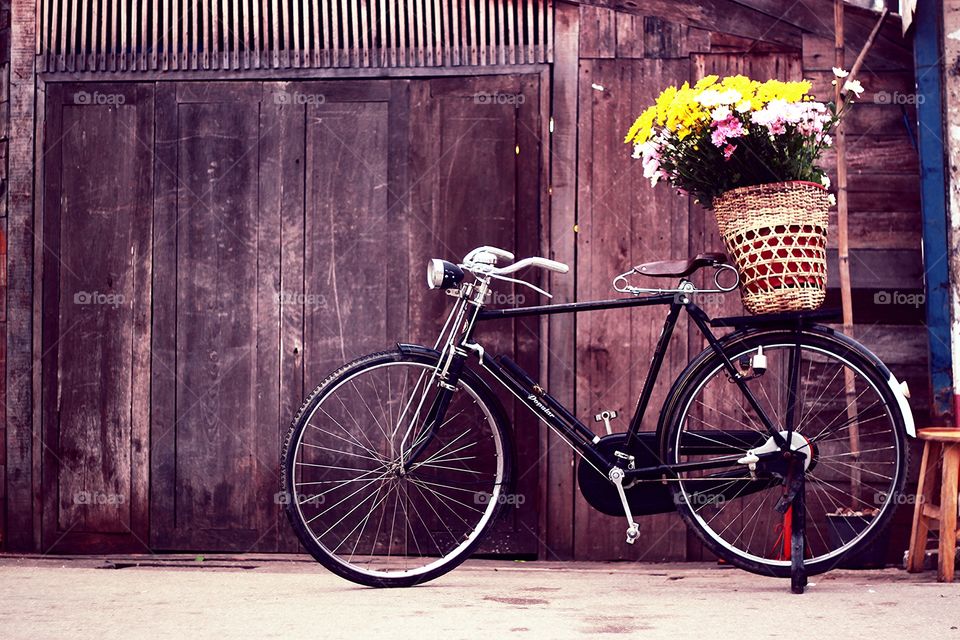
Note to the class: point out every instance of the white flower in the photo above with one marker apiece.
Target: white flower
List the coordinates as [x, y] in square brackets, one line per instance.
[730, 96]
[853, 86]
[825, 181]
[832, 199]
[840, 73]
[827, 141]
[720, 114]
[709, 98]
[744, 106]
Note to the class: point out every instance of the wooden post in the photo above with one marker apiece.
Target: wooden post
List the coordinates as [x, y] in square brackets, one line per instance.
[843, 260]
[951, 115]
[558, 463]
[23, 449]
[843, 240]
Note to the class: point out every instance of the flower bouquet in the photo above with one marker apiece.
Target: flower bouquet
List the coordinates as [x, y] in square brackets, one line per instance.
[750, 150]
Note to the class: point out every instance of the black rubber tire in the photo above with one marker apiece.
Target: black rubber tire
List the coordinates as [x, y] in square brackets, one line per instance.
[705, 364]
[423, 356]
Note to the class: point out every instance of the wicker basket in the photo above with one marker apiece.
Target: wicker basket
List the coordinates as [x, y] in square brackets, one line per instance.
[777, 235]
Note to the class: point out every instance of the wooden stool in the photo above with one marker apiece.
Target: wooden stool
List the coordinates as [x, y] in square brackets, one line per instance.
[940, 451]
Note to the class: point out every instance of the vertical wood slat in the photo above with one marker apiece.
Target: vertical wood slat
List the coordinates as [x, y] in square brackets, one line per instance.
[234, 60]
[392, 56]
[82, 51]
[353, 59]
[472, 32]
[382, 49]
[402, 28]
[317, 49]
[194, 39]
[482, 28]
[512, 38]
[428, 33]
[131, 35]
[293, 25]
[529, 48]
[365, 35]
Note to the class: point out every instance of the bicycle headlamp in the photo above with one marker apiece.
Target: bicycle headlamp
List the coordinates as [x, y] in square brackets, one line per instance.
[443, 275]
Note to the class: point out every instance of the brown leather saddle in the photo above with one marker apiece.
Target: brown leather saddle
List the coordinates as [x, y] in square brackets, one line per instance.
[680, 268]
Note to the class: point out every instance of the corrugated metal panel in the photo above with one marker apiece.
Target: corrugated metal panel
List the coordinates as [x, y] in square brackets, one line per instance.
[137, 35]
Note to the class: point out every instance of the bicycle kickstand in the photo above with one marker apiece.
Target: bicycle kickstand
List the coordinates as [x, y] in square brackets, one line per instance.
[792, 501]
[798, 535]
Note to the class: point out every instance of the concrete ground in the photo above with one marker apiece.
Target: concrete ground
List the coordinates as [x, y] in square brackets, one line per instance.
[291, 597]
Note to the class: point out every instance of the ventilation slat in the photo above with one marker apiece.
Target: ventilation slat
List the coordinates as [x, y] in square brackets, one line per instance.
[139, 35]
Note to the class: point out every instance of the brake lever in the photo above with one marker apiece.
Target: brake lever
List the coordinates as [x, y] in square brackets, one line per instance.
[523, 282]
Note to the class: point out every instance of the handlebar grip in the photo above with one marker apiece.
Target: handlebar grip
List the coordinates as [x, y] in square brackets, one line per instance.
[553, 265]
[544, 263]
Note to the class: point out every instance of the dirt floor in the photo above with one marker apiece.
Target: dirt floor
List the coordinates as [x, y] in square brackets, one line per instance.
[291, 597]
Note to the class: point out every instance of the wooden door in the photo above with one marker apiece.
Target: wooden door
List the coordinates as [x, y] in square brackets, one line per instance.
[261, 234]
[96, 317]
[215, 326]
[475, 179]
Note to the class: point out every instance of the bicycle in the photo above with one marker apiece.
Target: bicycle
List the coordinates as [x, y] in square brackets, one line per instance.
[398, 461]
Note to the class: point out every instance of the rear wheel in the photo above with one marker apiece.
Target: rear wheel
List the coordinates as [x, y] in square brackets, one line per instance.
[350, 502]
[847, 422]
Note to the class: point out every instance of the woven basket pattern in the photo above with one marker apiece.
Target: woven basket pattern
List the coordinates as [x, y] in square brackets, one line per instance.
[777, 235]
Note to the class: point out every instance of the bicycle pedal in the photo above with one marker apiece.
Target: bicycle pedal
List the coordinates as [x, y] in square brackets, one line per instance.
[605, 417]
[633, 532]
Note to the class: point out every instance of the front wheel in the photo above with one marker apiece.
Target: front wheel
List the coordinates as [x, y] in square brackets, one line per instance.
[846, 422]
[353, 502]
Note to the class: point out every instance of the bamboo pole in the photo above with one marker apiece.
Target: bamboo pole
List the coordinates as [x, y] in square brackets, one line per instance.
[843, 240]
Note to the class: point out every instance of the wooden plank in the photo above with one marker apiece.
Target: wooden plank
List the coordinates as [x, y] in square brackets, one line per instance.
[630, 35]
[880, 269]
[214, 373]
[867, 152]
[82, 49]
[818, 55]
[662, 39]
[597, 32]
[163, 382]
[353, 58]
[281, 200]
[95, 394]
[715, 15]
[620, 227]
[558, 467]
[22, 462]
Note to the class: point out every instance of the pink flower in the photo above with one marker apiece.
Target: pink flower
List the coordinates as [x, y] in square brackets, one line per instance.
[729, 127]
[728, 151]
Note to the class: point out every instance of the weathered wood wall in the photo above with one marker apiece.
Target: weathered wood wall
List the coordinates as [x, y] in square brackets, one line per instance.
[261, 207]
[626, 55]
[232, 249]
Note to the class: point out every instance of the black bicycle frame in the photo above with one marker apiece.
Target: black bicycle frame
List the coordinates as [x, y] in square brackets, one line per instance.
[555, 415]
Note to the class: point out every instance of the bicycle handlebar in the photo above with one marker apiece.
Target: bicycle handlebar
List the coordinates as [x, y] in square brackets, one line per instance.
[545, 263]
[476, 258]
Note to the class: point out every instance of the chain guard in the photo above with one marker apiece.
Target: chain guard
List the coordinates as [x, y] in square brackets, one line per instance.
[645, 498]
